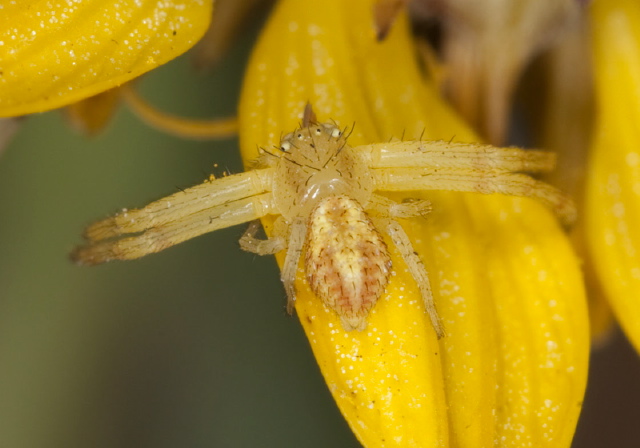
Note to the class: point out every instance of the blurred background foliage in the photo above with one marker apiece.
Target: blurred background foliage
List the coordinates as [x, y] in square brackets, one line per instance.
[190, 347]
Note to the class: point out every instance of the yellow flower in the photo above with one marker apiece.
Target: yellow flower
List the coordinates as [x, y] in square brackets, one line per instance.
[486, 50]
[511, 369]
[613, 176]
[55, 53]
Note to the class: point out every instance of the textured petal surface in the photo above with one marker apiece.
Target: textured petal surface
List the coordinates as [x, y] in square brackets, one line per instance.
[565, 123]
[613, 195]
[55, 52]
[511, 369]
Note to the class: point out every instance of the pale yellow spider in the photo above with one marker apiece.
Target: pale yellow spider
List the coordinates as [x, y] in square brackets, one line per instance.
[323, 192]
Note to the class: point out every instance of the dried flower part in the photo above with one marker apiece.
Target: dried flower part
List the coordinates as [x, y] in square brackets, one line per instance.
[385, 13]
[486, 46]
[190, 128]
[511, 369]
[613, 202]
[227, 22]
[54, 54]
[92, 114]
[8, 128]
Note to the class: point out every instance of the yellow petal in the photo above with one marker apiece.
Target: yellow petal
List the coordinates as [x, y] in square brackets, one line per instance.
[56, 53]
[613, 195]
[511, 369]
[564, 118]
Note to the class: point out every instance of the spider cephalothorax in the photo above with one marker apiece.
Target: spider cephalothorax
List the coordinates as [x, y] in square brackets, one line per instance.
[324, 194]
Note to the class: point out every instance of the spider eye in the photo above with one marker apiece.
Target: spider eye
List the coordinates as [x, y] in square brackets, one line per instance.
[318, 131]
[300, 136]
[285, 146]
[336, 132]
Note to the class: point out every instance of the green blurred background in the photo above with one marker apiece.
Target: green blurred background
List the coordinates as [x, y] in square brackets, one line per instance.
[190, 347]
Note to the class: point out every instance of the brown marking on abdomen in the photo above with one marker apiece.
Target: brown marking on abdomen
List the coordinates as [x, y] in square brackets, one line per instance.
[347, 262]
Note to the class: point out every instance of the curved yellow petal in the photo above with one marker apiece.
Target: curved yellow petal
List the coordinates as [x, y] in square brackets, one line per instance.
[613, 195]
[56, 53]
[511, 369]
[565, 123]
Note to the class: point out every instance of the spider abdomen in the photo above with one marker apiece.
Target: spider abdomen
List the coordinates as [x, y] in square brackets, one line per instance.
[347, 262]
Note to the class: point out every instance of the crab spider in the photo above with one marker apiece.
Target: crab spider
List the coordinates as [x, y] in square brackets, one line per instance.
[324, 194]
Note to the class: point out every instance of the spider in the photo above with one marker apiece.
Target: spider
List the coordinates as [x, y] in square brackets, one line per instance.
[324, 194]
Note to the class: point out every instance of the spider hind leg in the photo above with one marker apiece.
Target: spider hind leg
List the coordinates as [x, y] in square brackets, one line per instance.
[418, 272]
[273, 245]
[387, 210]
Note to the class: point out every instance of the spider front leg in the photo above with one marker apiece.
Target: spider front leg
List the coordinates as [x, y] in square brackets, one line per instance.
[469, 156]
[511, 184]
[207, 195]
[386, 210]
[212, 205]
[167, 235]
[416, 165]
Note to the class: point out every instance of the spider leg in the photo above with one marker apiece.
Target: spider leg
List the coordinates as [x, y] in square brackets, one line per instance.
[514, 184]
[385, 207]
[416, 268]
[170, 233]
[290, 268]
[460, 156]
[202, 197]
[271, 245]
